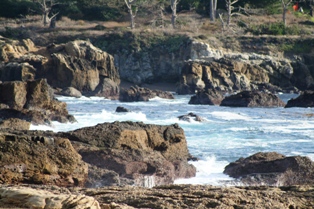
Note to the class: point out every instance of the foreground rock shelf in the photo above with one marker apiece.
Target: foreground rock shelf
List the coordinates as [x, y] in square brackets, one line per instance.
[171, 196]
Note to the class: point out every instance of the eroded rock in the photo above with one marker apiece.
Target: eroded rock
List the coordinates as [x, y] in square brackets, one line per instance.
[272, 168]
[32, 157]
[148, 154]
[32, 101]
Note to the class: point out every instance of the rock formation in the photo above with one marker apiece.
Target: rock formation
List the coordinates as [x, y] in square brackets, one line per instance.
[168, 196]
[136, 93]
[306, 99]
[148, 154]
[76, 64]
[191, 117]
[122, 109]
[272, 169]
[44, 198]
[221, 69]
[31, 157]
[32, 101]
[80, 65]
[252, 99]
[207, 97]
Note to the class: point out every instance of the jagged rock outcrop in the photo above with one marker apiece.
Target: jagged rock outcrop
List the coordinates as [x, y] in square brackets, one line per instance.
[148, 154]
[272, 168]
[136, 93]
[32, 101]
[83, 66]
[207, 97]
[227, 70]
[252, 99]
[32, 157]
[223, 74]
[306, 99]
[76, 64]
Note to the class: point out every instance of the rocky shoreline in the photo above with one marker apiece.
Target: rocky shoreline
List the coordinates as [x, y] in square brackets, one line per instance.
[162, 197]
[111, 165]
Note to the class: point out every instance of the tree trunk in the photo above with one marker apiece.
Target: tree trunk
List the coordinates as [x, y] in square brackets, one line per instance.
[211, 11]
[45, 18]
[129, 4]
[229, 10]
[131, 18]
[284, 10]
[174, 12]
[284, 16]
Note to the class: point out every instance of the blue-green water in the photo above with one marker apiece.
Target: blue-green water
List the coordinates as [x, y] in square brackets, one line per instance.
[226, 135]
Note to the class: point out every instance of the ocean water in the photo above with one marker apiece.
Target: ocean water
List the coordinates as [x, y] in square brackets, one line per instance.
[226, 134]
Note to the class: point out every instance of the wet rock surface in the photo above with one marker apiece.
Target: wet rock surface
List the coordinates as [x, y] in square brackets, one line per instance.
[272, 168]
[136, 93]
[306, 99]
[252, 99]
[207, 97]
[191, 117]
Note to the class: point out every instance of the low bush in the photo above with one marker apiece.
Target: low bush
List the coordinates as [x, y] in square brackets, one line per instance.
[274, 29]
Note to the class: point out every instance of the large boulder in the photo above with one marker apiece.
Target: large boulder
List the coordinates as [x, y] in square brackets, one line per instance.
[306, 99]
[252, 99]
[136, 93]
[272, 168]
[148, 154]
[32, 101]
[207, 97]
[32, 157]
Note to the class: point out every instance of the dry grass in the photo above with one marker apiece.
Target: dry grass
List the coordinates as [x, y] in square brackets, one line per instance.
[188, 23]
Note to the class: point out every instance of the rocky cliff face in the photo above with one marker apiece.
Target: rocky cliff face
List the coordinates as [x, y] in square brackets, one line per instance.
[229, 64]
[244, 69]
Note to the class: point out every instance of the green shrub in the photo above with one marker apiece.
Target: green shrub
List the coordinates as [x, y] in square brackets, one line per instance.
[274, 29]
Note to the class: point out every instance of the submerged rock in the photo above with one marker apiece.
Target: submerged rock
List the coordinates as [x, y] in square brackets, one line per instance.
[191, 117]
[252, 99]
[122, 109]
